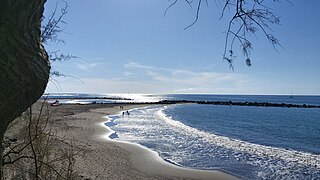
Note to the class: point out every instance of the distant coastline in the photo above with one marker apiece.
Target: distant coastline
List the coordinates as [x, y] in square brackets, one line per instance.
[226, 103]
[233, 100]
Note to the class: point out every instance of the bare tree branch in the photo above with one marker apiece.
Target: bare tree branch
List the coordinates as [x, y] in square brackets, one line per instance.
[248, 16]
[51, 29]
[172, 4]
[32, 147]
[197, 15]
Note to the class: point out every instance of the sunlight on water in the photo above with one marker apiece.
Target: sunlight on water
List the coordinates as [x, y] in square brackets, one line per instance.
[140, 97]
[74, 98]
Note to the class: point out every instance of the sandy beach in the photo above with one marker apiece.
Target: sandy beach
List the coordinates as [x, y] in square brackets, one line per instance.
[107, 159]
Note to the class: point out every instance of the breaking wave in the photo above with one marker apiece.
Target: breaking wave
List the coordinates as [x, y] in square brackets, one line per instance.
[294, 156]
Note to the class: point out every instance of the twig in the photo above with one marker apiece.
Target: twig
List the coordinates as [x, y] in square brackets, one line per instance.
[31, 144]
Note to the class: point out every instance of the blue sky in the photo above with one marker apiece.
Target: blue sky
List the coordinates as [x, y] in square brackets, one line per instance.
[128, 46]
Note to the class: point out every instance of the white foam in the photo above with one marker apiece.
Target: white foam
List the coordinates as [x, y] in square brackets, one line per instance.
[290, 156]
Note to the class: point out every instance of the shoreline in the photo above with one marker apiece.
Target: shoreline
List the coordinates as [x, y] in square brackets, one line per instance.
[157, 165]
[143, 163]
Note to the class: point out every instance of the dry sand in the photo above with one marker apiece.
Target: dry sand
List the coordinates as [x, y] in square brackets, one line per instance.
[108, 159]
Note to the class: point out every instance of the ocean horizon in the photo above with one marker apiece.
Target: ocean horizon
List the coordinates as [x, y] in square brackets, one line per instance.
[86, 98]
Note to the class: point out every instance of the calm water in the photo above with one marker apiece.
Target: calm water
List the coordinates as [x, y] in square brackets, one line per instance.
[252, 142]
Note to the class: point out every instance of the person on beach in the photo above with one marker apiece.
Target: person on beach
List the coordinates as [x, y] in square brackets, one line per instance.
[128, 113]
[55, 103]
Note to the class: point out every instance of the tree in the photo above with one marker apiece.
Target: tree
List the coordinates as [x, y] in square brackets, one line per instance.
[24, 65]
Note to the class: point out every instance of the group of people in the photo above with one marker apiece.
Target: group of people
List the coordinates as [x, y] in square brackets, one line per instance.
[125, 113]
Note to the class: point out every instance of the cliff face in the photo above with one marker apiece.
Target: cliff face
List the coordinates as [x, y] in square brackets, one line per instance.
[24, 65]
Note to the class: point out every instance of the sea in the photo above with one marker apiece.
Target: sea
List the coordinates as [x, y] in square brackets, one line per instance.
[246, 141]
